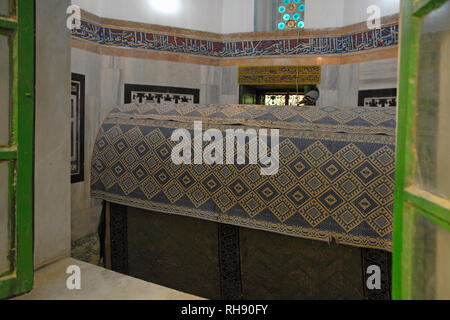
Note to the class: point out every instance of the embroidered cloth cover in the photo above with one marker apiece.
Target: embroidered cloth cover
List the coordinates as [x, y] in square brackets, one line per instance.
[335, 177]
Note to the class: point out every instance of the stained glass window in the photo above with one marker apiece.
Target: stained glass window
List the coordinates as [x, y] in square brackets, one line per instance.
[290, 14]
[294, 99]
[275, 100]
[281, 99]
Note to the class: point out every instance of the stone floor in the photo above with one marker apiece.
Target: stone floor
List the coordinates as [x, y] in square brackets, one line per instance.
[96, 284]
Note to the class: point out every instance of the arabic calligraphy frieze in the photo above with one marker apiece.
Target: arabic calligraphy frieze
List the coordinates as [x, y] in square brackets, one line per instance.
[387, 36]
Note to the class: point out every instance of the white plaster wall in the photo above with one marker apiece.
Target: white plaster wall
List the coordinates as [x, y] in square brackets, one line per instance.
[341, 83]
[328, 86]
[380, 74]
[85, 210]
[92, 6]
[203, 15]
[338, 13]
[52, 134]
[321, 14]
[220, 16]
[230, 16]
[356, 10]
[238, 16]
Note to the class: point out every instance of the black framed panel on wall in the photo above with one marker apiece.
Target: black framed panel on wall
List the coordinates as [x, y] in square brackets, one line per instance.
[378, 98]
[136, 93]
[77, 99]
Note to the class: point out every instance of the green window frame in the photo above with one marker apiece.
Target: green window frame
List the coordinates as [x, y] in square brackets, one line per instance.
[410, 199]
[19, 27]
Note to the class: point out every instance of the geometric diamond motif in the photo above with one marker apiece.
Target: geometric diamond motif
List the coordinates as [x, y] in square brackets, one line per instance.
[101, 144]
[252, 175]
[317, 153]
[127, 184]
[238, 188]
[299, 167]
[211, 184]
[108, 179]
[164, 151]
[383, 190]
[155, 138]
[332, 169]
[391, 175]
[130, 158]
[224, 199]
[225, 173]
[99, 166]
[109, 155]
[381, 221]
[200, 170]
[252, 204]
[375, 118]
[133, 136]
[313, 114]
[314, 213]
[185, 109]
[350, 156]
[152, 162]
[186, 180]
[256, 112]
[231, 111]
[267, 192]
[298, 196]
[330, 200]
[118, 169]
[175, 169]
[348, 186]
[384, 158]
[343, 116]
[365, 204]
[121, 146]
[114, 133]
[140, 173]
[314, 183]
[347, 217]
[366, 172]
[150, 188]
[205, 112]
[198, 195]
[173, 191]
[284, 179]
[287, 150]
[284, 113]
[142, 148]
[282, 209]
[162, 177]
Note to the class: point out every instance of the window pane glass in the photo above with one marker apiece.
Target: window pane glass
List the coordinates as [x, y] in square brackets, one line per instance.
[433, 114]
[295, 99]
[431, 258]
[4, 90]
[275, 100]
[4, 234]
[4, 7]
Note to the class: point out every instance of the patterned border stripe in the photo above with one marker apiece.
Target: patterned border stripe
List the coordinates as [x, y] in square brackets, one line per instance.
[386, 36]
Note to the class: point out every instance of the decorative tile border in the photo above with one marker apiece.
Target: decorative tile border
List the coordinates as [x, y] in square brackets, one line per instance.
[385, 37]
[349, 44]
